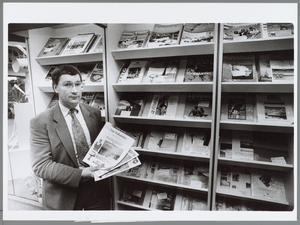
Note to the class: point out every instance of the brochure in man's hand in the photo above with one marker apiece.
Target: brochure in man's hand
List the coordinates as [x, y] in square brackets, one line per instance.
[112, 150]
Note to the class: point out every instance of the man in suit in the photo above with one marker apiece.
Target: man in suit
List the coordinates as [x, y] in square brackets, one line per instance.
[56, 156]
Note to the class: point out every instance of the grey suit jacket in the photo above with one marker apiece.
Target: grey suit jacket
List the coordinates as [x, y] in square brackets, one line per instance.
[53, 156]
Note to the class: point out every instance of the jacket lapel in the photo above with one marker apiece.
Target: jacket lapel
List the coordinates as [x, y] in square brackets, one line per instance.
[91, 123]
[64, 134]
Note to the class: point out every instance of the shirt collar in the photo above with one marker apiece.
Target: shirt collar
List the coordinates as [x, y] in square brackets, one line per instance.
[65, 110]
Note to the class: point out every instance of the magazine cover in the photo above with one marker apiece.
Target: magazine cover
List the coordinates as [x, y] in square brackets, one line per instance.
[78, 44]
[97, 45]
[163, 35]
[239, 68]
[87, 97]
[164, 105]
[198, 106]
[53, 46]
[282, 70]
[280, 29]
[197, 32]
[162, 71]
[196, 142]
[237, 107]
[242, 31]
[162, 140]
[131, 104]
[134, 193]
[193, 203]
[199, 69]
[85, 70]
[98, 102]
[133, 73]
[133, 39]
[268, 185]
[162, 198]
[226, 144]
[242, 146]
[275, 108]
[195, 176]
[138, 171]
[241, 181]
[109, 148]
[167, 171]
[48, 77]
[96, 74]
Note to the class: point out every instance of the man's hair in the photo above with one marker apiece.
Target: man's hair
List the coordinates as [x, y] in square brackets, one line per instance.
[64, 69]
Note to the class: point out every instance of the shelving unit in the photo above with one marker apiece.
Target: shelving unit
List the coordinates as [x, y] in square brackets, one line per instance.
[39, 65]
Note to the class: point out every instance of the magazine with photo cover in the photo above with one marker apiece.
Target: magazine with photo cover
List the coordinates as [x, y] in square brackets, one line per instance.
[134, 73]
[98, 102]
[162, 71]
[137, 171]
[196, 142]
[282, 70]
[87, 97]
[162, 140]
[48, 77]
[199, 69]
[131, 104]
[53, 46]
[138, 135]
[134, 193]
[193, 202]
[237, 107]
[194, 175]
[164, 35]
[123, 72]
[242, 145]
[85, 70]
[133, 39]
[78, 44]
[197, 32]
[198, 106]
[109, 148]
[97, 45]
[96, 74]
[242, 31]
[268, 185]
[162, 198]
[279, 29]
[239, 68]
[164, 105]
[275, 108]
[167, 171]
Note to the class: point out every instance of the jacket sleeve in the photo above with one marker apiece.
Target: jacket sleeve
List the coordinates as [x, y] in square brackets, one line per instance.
[42, 161]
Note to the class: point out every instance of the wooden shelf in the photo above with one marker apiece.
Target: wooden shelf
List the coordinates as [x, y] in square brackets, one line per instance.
[164, 51]
[135, 206]
[259, 45]
[248, 197]
[66, 59]
[173, 155]
[170, 87]
[256, 164]
[253, 126]
[87, 88]
[166, 122]
[256, 87]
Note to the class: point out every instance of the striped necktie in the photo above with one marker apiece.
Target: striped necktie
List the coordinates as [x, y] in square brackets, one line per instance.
[82, 146]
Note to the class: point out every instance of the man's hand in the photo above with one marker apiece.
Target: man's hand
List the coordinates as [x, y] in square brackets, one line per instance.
[88, 173]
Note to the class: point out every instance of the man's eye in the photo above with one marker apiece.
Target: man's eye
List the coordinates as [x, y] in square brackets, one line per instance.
[68, 85]
[77, 85]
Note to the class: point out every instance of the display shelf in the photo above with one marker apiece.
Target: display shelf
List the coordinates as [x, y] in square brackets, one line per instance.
[161, 183]
[87, 88]
[67, 59]
[257, 164]
[246, 197]
[254, 126]
[172, 155]
[259, 45]
[165, 122]
[256, 87]
[164, 51]
[135, 206]
[160, 87]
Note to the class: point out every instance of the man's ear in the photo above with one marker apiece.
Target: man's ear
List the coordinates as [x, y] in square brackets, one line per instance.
[55, 88]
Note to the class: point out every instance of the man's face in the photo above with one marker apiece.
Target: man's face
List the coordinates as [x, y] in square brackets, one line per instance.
[69, 95]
